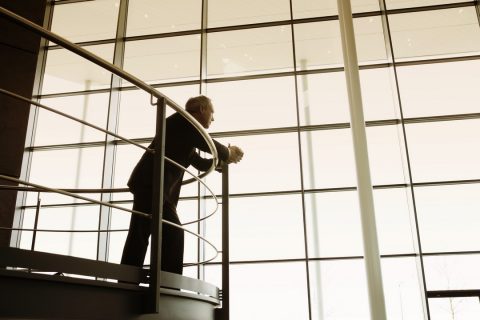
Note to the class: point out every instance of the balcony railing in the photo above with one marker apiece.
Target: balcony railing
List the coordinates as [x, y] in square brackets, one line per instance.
[155, 278]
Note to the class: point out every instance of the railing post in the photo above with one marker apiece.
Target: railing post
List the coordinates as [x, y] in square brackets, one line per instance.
[225, 245]
[157, 208]
[35, 224]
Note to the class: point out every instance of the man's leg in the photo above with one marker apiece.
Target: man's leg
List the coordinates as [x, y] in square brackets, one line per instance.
[172, 243]
[140, 228]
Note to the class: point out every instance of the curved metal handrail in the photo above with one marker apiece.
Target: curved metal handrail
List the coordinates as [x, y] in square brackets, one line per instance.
[115, 190]
[73, 195]
[16, 96]
[120, 73]
[148, 216]
[63, 230]
[88, 124]
[33, 189]
[194, 177]
[205, 185]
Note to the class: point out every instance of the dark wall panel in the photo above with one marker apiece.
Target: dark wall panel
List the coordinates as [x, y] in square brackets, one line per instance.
[18, 59]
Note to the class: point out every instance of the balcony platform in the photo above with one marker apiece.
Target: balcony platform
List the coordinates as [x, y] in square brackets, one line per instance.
[30, 289]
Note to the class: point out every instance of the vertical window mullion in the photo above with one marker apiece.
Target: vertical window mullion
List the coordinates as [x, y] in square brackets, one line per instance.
[112, 125]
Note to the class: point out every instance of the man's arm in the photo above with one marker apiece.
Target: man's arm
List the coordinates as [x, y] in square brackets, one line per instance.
[199, 143]
[200, 163]
[230, 154]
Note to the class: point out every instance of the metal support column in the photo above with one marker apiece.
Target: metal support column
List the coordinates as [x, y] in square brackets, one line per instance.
[225, 245]
[364, 184]
[157, 206]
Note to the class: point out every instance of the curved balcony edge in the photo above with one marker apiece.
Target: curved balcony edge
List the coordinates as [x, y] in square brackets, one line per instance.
[31, 289]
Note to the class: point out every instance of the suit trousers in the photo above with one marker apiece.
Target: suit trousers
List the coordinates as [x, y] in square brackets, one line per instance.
[140, 230]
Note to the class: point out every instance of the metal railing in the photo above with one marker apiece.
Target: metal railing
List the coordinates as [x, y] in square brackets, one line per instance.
[194, 177]
[118, 72]
[38, 188]
[159, 157]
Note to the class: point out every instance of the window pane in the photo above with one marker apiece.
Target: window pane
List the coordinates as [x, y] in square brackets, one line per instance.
[328, 160]
[119, 220]
[65, 71]
[334, 226]
[250, 51]
[378, 91]
[334, 223]
[332, 283]
[55, 129]
[235, 12]
[101, 15]
[396, 4]
[444, 150]
[164, 59]
[312, 8]
[253, 104]
[27, 223]
[455, 308]
[370, 41]
[191, 272]
[395, 224]
[213, 227]
[403, 291]
[188, 211]
[50, 198]
[434, 34]
[152, 16]
[266, 228]
[452, 272]
[213, 275]
[440, 88]
[66, 169]
[265, 287]
[385, 155]
[448, 217]
[137, 115]
[318, 44]
[82, 245]
[323, 97]
[335, 284]
[69, 168]
[270, 163]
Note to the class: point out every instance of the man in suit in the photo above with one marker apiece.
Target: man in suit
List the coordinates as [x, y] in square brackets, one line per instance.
[181, 140]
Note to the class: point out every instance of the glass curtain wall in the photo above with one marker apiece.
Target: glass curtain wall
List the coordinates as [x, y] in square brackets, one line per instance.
[274, 71]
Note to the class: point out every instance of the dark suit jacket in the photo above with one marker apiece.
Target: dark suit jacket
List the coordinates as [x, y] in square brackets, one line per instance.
[181, 139]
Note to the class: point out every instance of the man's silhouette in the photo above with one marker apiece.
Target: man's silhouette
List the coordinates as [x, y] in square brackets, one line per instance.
[181, 140]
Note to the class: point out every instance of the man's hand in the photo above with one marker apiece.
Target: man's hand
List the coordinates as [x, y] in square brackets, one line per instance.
[236, 154]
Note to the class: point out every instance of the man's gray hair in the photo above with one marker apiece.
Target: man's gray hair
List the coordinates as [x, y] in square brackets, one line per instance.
[194, 104]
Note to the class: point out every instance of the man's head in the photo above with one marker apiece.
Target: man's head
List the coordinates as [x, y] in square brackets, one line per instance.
[201, 109]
